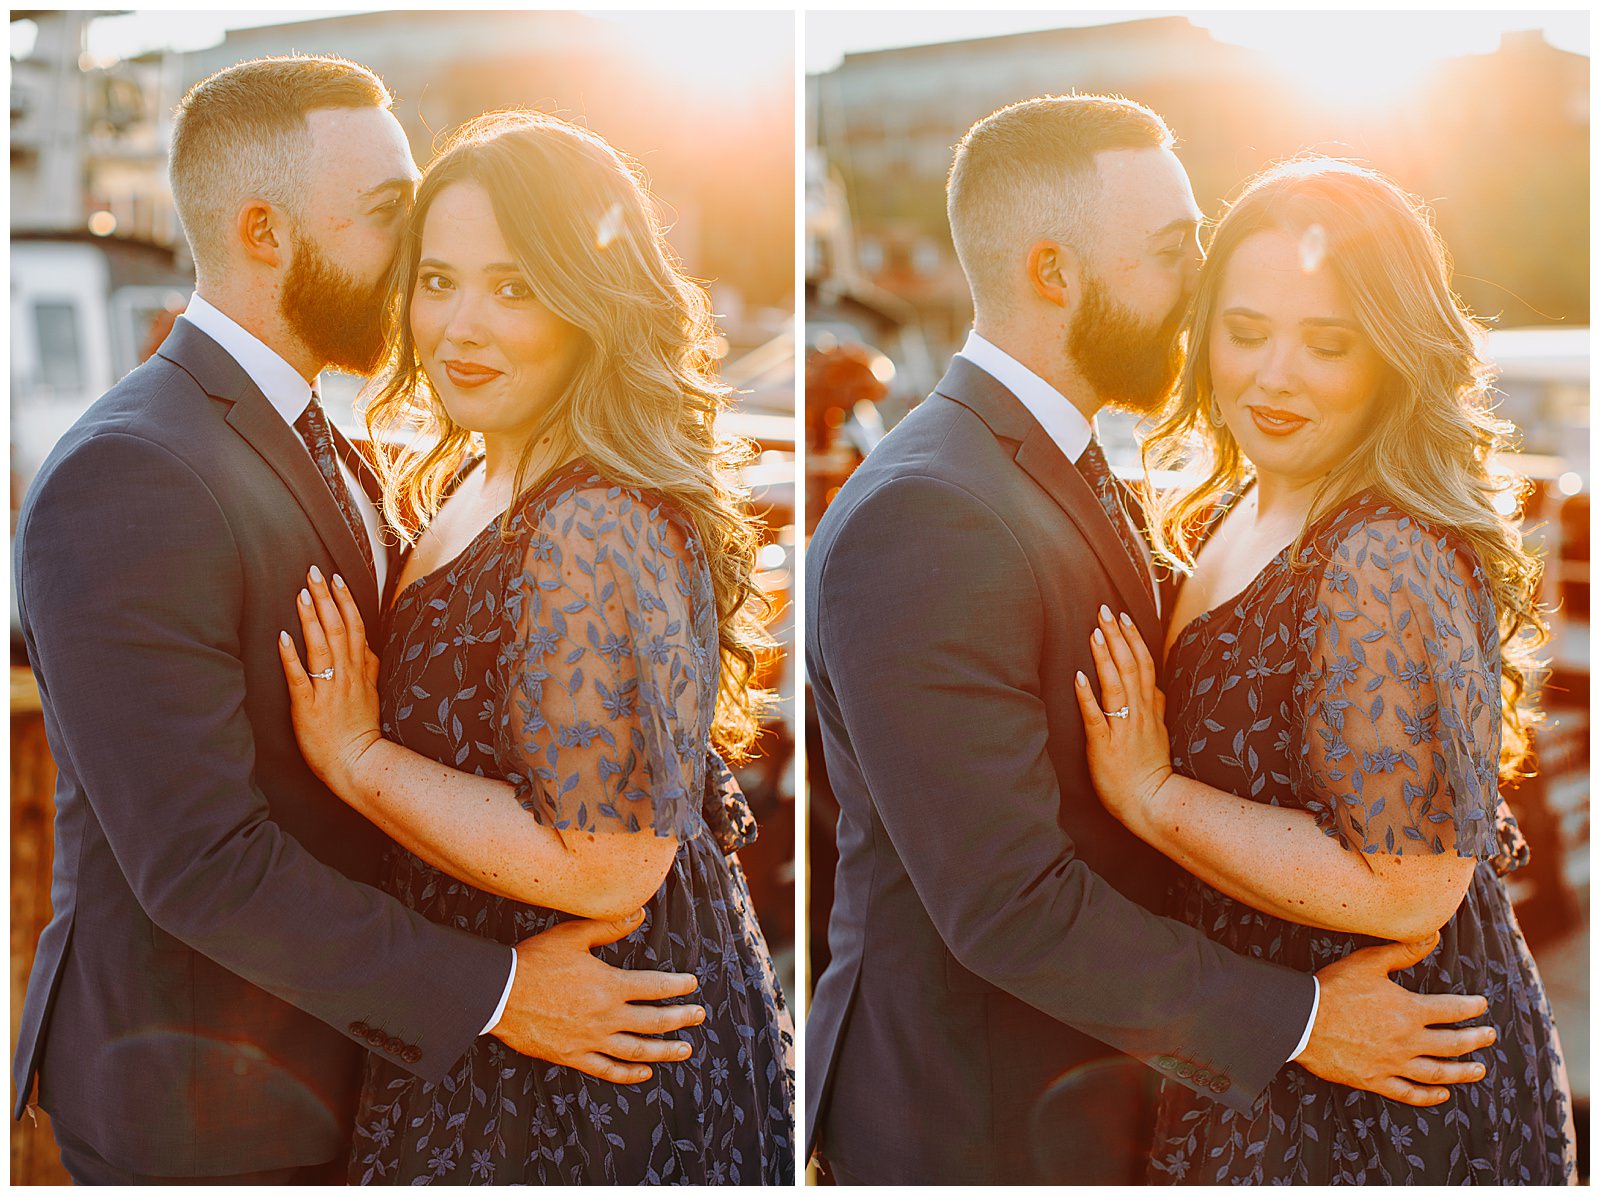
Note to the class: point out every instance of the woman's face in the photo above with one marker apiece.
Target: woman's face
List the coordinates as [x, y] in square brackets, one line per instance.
[497, 358]
[1295, 378]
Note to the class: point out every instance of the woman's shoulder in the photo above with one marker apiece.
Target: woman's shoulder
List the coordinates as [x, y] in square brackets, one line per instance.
[579, 503]
[1375, 546]
[1371, 529]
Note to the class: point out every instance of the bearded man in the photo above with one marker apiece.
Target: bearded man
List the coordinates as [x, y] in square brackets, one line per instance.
[218, 960]
[994, 936]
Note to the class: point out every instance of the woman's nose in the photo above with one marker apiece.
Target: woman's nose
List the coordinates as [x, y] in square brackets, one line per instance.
[1277, 373]
[465, 325]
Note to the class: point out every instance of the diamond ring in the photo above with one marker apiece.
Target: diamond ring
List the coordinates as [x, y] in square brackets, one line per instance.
[327, 675]
[1123, 713]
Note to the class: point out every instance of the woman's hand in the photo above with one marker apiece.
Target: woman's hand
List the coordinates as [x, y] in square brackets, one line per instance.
[335, 707]
[1129, 759]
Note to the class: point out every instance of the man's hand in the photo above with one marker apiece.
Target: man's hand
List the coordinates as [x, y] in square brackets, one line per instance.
[568, 1007]
[1370, 1033]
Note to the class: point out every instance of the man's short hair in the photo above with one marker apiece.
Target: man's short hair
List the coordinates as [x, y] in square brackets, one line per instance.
[1027, 172]
[242, 134]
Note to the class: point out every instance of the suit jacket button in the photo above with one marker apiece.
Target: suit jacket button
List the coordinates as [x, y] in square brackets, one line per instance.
[1221, 1084]
[1203, 1078]
[376, 1037]
[1185, 1070]
[393, 1045]
[411, 1054]
[1165, 1062]
[359, 1029]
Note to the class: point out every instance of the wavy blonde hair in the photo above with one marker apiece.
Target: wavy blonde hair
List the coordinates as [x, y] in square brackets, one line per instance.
[643, 400]
[1428, 452]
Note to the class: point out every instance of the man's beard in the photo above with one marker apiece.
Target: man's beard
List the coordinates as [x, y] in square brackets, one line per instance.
[1130, 364]
[341, 321]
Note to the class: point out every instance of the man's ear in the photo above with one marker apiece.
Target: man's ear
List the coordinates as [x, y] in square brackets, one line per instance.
[261, 230]
[1053, 273]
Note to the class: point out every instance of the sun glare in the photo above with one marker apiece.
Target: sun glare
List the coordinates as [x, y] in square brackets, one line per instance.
[1373, 60]
[725, 54]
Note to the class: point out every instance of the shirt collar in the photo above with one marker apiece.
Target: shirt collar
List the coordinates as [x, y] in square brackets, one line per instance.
[1063, 422]
[282, 384]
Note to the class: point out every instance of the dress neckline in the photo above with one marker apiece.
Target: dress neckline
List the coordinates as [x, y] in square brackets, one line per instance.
[493, 525]
[1311, 530]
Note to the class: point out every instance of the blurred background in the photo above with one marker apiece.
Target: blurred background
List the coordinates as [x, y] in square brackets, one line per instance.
[704, 101]
[1485, 115]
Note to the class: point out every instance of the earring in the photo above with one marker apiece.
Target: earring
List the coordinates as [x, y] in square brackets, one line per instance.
[1214, 413]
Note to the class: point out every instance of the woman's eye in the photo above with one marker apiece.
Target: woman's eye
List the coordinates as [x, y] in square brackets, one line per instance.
[1328, 352]
[514, 290]
[1245, 341]
[433, 282]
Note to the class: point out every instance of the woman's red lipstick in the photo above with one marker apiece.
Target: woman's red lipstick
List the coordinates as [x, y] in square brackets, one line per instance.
[1277, 423]
[465, 373]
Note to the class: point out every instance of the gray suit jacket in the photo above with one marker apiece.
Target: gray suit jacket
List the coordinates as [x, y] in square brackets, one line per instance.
[217, 961]
[992, 926]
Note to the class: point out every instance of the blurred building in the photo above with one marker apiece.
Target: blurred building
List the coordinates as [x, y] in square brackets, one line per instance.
[92, 139]
[1498, 142]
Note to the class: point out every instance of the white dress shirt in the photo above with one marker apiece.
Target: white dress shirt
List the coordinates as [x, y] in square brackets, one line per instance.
[1071, 432]
[290, 394]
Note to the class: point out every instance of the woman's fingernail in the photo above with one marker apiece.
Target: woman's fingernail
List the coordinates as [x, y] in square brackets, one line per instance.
[1099, 636]
[1082, 680]
[305, 600]
[1126, 622]
[699, 1016]
[316, 574]
[683, 1050]
[283, 638]
[338, 582]
[1105, 612]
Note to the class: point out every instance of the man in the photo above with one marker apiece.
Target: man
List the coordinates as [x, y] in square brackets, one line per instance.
[992, 931]
[217, 961]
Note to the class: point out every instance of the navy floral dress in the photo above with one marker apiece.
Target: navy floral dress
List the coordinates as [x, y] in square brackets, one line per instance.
[1364, 686]
[576, 656]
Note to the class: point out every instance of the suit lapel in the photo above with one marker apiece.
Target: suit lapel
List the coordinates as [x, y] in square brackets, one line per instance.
[1041, 459]
[256, 420]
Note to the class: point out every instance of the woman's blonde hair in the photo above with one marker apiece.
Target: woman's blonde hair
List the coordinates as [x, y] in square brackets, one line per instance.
[1428, 451]
[642, 402]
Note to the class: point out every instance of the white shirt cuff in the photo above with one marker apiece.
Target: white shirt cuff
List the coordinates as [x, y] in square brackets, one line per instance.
[1316, 999]
[494, 1019]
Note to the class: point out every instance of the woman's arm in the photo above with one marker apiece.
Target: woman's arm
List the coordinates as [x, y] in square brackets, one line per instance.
[472, 827]
[1277, 860]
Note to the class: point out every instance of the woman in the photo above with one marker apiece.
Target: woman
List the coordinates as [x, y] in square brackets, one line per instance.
[1344, 678]
[570, 634]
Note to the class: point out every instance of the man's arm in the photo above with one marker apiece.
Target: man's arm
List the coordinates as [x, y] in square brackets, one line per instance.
[133, 597]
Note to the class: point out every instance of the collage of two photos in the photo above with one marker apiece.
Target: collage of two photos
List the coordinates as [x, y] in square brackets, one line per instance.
[509, 689]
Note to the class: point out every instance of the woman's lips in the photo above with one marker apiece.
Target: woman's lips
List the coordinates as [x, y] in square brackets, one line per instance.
[465, 374]
[1277, 423]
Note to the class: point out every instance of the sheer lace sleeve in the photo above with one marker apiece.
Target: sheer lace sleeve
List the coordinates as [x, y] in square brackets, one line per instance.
[1401, 694]
[604, 678]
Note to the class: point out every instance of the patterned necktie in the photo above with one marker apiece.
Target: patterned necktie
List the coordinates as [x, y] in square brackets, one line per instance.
[313, 428]
[1112, 494]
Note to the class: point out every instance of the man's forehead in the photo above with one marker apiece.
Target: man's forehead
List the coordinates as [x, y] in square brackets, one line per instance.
[364, 148]
[1149, 187]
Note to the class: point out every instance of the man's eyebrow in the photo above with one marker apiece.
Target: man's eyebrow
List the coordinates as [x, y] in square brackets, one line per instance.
[1182, 224]
[403, 184]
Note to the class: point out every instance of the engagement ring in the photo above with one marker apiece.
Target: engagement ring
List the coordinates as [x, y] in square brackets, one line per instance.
[1123, 713]
[327, 675]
